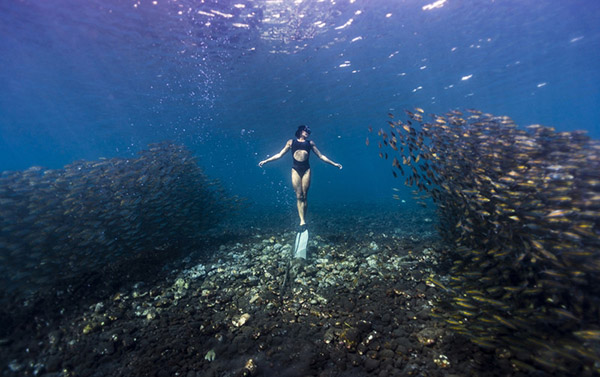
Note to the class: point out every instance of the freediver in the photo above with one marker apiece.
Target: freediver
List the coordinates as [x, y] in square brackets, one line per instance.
[301, 174]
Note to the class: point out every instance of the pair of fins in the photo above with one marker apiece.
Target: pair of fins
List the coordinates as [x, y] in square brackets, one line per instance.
[301, 244]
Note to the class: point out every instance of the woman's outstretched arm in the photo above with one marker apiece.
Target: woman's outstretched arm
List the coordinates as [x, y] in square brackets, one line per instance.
[287, 147]
[323, 157]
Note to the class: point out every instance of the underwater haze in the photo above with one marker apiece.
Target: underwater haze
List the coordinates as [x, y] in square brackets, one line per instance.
[140, 237]
[232, 80]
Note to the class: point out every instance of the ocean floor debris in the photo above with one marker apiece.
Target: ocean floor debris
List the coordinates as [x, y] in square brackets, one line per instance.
[348, 311]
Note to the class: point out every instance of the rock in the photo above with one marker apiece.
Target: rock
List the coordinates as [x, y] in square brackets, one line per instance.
[371, 364]
[398, 362]
[330, 335]
[404, 345]
[355, 360]
[99, 308]
[442, 361]
[210, 355]
[53, 364]
[350, 337]
[5, 342]
[241, 320]
[250, 368]
[339, 358]
[416, 275]
[401, 349]
[410, 369]
[386, 354]
[428, 335]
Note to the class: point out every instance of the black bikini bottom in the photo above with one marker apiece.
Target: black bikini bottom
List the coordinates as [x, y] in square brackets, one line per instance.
[300, 168]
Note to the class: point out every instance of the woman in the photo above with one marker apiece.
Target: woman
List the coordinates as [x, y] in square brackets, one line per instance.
[301, 148]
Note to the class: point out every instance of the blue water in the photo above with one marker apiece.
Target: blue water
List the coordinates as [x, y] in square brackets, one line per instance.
[233, 79]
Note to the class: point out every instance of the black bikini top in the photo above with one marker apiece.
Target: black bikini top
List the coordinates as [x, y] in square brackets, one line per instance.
[304, 145]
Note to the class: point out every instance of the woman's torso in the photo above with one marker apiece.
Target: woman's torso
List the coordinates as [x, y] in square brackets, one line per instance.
[301, 150]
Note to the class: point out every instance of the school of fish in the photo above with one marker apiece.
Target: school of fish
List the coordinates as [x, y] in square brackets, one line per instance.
[520, 211]
[57, 224]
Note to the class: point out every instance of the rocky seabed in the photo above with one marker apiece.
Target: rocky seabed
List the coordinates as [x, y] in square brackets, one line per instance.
[351, 309]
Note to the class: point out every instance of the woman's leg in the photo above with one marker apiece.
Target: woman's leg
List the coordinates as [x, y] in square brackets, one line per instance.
[297, 183]
[305, 187]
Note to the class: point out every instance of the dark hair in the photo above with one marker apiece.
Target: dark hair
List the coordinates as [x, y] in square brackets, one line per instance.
[301, 128]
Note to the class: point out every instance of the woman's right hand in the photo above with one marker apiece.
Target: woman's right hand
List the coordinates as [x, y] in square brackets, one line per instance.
[260, 164]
